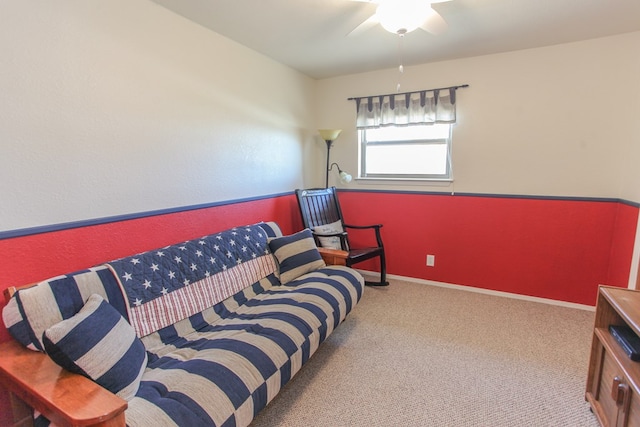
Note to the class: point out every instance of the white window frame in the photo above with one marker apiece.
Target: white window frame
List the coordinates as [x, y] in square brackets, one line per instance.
[363, 144]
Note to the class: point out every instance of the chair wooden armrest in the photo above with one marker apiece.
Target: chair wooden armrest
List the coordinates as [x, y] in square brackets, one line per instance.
[333, 256]
[66, 399]
[376, 228]
[362, 227]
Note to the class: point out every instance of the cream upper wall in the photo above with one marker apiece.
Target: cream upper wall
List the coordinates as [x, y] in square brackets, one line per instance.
[630, 187]
[113, 107]
[118, 106]
[555, 121]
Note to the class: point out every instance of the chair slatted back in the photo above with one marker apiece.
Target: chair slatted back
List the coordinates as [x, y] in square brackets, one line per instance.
[318, 206]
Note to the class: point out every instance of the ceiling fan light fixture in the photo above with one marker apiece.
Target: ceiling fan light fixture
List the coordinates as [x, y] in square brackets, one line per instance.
[402, 16]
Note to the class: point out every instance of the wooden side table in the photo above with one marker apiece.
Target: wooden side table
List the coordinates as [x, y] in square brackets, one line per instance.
[613, 382]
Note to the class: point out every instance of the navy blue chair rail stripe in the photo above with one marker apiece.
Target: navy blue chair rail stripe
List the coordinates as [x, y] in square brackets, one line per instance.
[22, 232]
[498, 196]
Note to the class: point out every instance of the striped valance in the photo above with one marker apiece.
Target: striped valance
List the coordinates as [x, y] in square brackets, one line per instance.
[409, 108]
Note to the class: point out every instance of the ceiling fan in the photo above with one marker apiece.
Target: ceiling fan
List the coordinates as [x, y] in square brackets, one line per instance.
[403, 16]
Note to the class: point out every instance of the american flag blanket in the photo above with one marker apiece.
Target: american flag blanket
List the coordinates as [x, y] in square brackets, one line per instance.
[166, 285]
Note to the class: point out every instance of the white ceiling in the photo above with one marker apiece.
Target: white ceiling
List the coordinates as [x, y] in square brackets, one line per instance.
[310, 35]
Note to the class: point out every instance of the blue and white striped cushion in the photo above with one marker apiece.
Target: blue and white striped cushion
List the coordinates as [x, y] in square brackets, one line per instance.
[31, 311]
[297, 254]
[101, 345]
[221, 368]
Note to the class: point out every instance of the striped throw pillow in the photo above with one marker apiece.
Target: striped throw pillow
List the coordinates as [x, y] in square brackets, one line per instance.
[297, 254]
[100, 344]
[33, 310]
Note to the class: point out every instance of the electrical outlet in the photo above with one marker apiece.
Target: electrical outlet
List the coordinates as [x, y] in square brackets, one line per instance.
[431, 260]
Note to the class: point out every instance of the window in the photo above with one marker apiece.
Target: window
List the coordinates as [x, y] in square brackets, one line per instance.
[406, 152]
[406, 135]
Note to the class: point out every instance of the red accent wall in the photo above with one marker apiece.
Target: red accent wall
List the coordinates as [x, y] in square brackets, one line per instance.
[37, 257]
[560, 249]
[551, 248]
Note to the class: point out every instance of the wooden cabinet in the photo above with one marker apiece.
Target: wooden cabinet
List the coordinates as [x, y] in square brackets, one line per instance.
[613, 383]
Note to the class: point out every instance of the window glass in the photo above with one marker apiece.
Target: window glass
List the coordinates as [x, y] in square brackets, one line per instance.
[413, 152]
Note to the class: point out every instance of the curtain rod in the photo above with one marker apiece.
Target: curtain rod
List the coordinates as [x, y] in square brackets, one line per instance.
[413, 91]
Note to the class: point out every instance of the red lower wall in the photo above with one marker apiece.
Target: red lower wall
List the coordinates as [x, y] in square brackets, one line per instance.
[560, 249]
[37, 257]
[551, 248]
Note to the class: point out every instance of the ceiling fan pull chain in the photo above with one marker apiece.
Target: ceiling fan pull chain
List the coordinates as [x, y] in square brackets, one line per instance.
[400, 50]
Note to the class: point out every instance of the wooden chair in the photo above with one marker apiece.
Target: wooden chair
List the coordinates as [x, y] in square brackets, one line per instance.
[320, 207]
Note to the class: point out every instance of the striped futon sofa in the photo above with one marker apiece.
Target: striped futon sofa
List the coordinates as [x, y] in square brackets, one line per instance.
[205, 332]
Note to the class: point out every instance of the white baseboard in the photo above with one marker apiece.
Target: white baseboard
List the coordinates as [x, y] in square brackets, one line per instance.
[482, 291]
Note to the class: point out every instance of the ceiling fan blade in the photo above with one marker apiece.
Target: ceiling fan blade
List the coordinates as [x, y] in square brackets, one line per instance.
[435, 23]
[369, 23]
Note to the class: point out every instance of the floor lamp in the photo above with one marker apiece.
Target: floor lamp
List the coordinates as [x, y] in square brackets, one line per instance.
[330, 135]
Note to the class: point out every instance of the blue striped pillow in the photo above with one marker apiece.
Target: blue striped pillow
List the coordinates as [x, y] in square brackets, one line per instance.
[297, 254]
[100, 344]
[33, 310]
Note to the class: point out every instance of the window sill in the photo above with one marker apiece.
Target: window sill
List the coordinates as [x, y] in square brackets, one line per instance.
[438, 182]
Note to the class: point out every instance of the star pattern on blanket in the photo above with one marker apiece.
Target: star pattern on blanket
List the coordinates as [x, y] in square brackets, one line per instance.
[154, 274]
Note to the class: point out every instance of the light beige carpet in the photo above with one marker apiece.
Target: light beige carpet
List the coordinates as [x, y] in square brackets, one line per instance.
[418, 355]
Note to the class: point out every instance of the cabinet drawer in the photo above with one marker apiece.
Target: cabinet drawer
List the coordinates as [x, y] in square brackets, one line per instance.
[619, 402]
[610, 371]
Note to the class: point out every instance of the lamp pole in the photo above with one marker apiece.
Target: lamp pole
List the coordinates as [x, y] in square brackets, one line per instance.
[326, 181]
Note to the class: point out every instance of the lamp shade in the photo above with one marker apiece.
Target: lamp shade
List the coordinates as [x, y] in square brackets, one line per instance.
[329, 134]
[345, 178]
